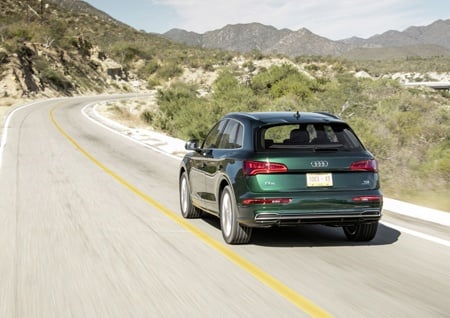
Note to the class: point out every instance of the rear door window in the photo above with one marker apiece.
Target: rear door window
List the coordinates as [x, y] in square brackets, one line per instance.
[214, 135]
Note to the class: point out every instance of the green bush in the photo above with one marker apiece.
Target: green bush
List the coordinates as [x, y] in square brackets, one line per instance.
[3, 56]
[50, 76]
[152, 82]
[229, 95]
[150, 67]
[169, 71]
[55, 79]
[171, 104]
[57, 31]
[19, 32]
[438, 160]
[279, 81]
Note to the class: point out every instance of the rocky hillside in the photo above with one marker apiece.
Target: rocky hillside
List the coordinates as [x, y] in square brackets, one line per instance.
[37, 69]
[267, 39]
[40, 57]
[67, 47]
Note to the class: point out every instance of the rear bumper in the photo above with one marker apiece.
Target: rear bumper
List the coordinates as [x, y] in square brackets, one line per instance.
[335, 209]
[336, 218]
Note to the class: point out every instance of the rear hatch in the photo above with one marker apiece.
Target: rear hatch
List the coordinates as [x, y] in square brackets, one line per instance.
[318, 171]
[310, 156]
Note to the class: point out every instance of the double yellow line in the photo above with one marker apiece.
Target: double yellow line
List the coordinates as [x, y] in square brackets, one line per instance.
[301, 302]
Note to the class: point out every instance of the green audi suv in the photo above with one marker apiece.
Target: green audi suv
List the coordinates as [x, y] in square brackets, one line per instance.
[267, 169]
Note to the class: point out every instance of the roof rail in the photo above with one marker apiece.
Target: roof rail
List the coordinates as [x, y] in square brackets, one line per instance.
[328, 114]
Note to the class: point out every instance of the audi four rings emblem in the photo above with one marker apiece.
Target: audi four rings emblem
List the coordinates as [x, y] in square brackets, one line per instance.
[319, 164]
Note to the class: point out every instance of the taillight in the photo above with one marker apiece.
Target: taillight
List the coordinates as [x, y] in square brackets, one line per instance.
[267, 201]
[368, 198]
[252, 168]
[365, 165]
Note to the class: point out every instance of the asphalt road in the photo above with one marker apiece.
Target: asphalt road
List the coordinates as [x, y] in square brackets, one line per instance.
[90, 227]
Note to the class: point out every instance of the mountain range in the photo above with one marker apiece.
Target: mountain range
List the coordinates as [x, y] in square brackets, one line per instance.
[69, 47]
[415, 41]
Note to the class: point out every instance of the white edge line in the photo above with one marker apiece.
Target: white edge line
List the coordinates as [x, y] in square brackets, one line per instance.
[83, 111]
[417, 234]
[420, 212]
[9, 116]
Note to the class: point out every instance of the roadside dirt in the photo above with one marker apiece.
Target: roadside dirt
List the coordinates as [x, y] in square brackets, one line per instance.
[128, 112]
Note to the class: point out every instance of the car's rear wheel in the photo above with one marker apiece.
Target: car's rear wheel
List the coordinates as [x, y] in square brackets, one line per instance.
[232, 231]
[361, 232]
[188, 210]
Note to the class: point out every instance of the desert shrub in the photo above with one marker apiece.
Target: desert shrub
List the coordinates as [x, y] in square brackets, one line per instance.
[184, 114]
[230, 95]
[263, 81]
[278, 81]
[370, 133]
[168, 71]
[56, 79]
[250, 66]
[147, 116]
[195, 119]
[295, 84]
[132, 53]
[127, 52]
[438, 160]
[18, 33]
[208, 66]
[150, 67]
[171, 102]
[3, 56]
[57, 31]
[152, 82]
[285, 103]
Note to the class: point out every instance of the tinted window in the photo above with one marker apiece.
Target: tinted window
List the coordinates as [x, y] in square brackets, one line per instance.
[232, 136]
[313, 136]
[213, 137]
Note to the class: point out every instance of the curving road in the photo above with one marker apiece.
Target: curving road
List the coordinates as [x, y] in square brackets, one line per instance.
[89, 227]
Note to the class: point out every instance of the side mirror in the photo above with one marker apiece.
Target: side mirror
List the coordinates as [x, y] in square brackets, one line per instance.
[192, 145]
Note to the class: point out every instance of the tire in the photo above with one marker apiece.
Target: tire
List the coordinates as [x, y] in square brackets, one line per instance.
[232, 231]
[188, 210]
[361, 232]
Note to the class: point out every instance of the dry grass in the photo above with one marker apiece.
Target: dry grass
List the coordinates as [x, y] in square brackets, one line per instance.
[436, 199]
[128, 112]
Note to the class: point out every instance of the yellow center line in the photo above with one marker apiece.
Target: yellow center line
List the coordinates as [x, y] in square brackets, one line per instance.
[298, 300]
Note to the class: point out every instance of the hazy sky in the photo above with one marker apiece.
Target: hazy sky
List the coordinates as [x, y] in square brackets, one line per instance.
[335, 20]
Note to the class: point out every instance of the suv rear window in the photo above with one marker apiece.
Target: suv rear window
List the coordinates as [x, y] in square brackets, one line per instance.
[308, 136]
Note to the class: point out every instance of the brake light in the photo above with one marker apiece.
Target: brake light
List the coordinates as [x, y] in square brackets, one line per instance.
[367, 198]
[267, 201]
[252, 168]
[365, 165]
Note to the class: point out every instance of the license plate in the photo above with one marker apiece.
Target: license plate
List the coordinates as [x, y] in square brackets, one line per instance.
[319, 180]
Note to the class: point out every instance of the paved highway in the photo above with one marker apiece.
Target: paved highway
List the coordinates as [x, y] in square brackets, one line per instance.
[90, 227]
